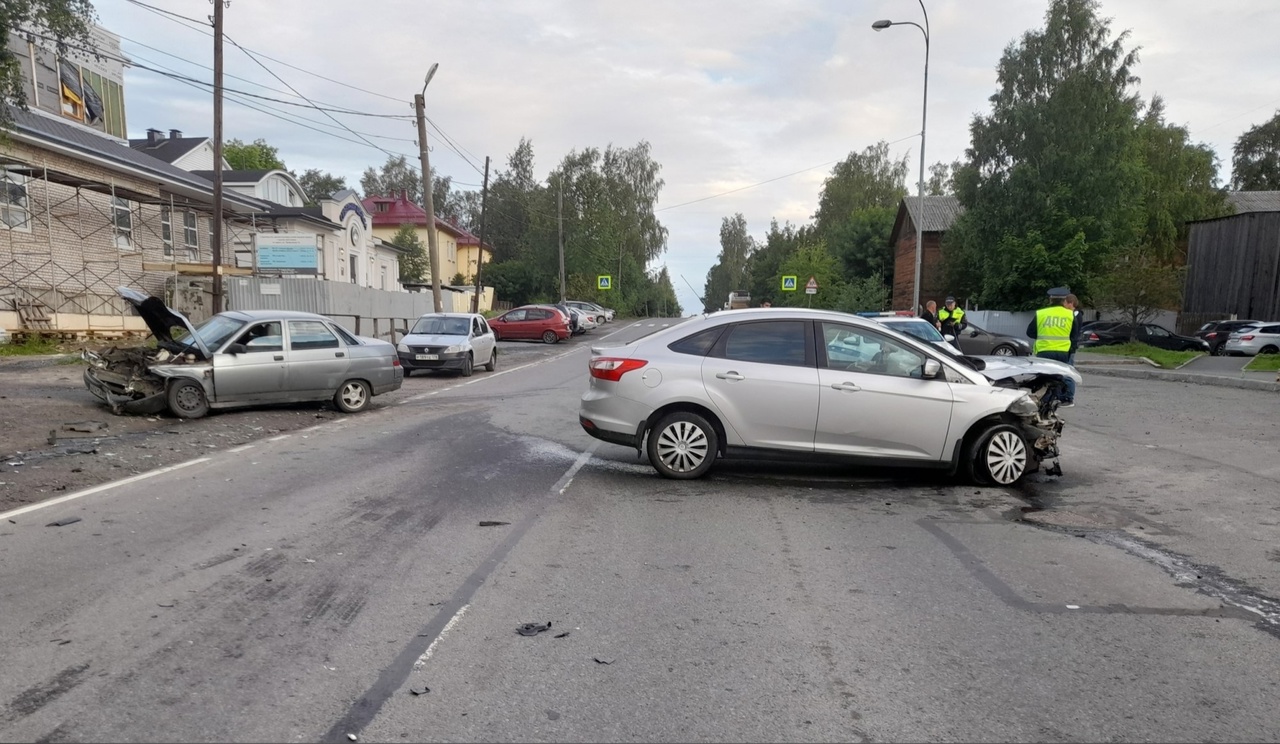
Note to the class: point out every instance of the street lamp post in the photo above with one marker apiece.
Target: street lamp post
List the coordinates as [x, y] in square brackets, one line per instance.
[924, 117]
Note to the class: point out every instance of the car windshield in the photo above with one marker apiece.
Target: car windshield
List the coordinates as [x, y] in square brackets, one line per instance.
[439, 325]
[921, 329]
[214, 332]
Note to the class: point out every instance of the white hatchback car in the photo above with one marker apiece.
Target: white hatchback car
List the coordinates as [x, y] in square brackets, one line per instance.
[453, 341]
[819, 385]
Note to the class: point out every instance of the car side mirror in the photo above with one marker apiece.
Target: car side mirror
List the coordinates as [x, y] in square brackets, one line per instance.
[234, 349]
[931, 369]
[949, 338]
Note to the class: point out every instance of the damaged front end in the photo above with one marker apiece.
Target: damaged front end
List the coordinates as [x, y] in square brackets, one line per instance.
[127, 379]
[1037, 414]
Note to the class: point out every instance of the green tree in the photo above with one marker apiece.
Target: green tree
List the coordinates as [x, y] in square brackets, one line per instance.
[1255, 163]
[765, 265]
[729, 273]
[941, 180]
[317, 185]
[395, 176]
[415, 263]
[1138, 285]
[869, 294]
[863, 180]
[67, 21]
[861, 242]
[1052, 182]
[256, 155]
[1180, 184]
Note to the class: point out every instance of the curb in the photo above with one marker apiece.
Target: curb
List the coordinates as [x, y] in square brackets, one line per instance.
[1144, 374]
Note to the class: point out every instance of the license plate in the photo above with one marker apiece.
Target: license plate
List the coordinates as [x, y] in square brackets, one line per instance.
[427, 357]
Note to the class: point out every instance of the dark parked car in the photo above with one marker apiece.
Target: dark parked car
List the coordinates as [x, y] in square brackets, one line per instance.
[532, 322]
[1148, 333]
[1218, 331]
[975, 341]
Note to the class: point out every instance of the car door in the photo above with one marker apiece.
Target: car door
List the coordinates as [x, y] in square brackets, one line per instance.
[974, 341]
[761, 378]
[317, 360]
[509, 324]
[875, 402]
[481, 340]
[1158, 337]
[257, 374]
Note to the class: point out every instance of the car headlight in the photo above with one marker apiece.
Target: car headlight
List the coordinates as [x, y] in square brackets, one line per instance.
[402, 348]
[453, 349]
[1024, 406]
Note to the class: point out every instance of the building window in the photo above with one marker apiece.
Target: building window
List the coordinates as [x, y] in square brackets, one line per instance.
[13, 201]
[383, 276]
[122, 216]
[190, 231]
[355, 268]
[166, 230]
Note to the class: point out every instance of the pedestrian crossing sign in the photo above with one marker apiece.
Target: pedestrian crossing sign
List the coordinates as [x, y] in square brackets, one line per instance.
[604, 281]
[789, 283]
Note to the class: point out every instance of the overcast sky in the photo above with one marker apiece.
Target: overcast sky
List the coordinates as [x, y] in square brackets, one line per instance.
[747, 105]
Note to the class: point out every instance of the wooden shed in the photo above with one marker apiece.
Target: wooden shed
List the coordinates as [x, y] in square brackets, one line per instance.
[1233, 263]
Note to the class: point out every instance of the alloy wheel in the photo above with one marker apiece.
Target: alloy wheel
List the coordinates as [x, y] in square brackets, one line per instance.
[1006, 457]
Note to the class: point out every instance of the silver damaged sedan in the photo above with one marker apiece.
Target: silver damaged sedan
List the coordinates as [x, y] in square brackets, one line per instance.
[238, 358]
[821, 385]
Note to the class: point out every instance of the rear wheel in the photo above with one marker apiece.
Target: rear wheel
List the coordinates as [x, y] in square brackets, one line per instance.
[1268, 350]
[682, 446]
[550, 337]
[467, 366]
[492, 364]
[352, 397]
[1004, 350]
[1000, 456]
[186, 399]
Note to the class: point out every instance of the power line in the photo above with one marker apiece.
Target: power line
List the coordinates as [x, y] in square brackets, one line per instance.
[175, 18]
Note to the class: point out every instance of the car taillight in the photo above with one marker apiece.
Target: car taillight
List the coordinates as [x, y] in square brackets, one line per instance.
[1210, 335]
[1247, 338]
[1093, 337]
[613, 368]
[395, 361]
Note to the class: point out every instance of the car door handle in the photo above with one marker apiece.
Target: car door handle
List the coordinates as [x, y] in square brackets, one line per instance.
[339, 353]
[849, 386]
[279, 357]
[729, 376]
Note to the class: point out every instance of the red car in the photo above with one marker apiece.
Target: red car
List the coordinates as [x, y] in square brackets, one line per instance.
[534, 322]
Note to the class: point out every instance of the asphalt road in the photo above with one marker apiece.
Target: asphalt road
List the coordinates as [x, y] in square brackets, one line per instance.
[298, 589]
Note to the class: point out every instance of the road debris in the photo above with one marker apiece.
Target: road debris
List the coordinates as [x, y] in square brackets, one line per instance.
[352, 737]
[87, 427]
[420, 690]
[562, 635]
[492, 523]
[165, 604]
[63, 522]
[532, 629]
[604, 659]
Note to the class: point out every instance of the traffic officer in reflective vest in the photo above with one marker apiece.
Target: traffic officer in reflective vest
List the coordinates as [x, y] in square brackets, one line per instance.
[951, 318]
[1051, 330]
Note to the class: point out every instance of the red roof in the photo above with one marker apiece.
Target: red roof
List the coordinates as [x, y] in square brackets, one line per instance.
[400, 210]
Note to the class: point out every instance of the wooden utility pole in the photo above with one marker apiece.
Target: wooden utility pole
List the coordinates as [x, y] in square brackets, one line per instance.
[560, 221]
[433, 248]
[216, 216]
[484, 196]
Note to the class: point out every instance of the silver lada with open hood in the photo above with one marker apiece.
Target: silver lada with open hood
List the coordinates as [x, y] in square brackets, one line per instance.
[239, 358]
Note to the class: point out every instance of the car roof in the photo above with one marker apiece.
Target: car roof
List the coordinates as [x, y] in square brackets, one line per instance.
[274, 315]
[447, 315]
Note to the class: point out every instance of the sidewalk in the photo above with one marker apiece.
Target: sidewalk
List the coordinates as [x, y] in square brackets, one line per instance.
[1218, 371]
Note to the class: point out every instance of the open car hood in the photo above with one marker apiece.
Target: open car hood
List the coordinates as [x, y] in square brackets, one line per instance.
[997, 368]
[161, 320]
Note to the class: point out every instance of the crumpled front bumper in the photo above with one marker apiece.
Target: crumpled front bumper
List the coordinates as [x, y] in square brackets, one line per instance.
[123, 402]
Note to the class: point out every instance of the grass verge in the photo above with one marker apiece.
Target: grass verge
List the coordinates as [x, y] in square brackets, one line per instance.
[31, 346]
[1166, 359]
[1264, 363]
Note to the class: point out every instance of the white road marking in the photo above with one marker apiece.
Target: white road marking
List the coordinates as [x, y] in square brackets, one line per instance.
[241, 448]
[103, 487]
[278, 438]
[422, 660]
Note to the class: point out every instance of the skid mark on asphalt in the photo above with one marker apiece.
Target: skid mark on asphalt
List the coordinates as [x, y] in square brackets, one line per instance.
[34, 698]
[1007, 595]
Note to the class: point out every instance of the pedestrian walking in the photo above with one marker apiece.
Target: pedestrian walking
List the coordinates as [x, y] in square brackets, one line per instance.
[1052, 329]
[1072, 303]
[951, 318]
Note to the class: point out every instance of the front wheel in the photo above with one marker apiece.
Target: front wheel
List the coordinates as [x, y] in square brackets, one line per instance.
[682, 446]
[1000, 456]
[186, 399]
[492, 364]
[550, 337]
[352, 397]
[467, 366]
[1004, 350]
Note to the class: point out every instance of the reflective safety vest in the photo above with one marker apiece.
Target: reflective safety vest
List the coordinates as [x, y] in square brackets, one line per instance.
[1053, 329]
[946, 316]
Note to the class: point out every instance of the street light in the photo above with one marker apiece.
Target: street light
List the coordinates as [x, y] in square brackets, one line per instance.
[924, 116]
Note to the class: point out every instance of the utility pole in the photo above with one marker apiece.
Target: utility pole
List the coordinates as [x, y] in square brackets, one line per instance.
[420, 108]
[216, 216]
[484, 196]
[560, 220]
